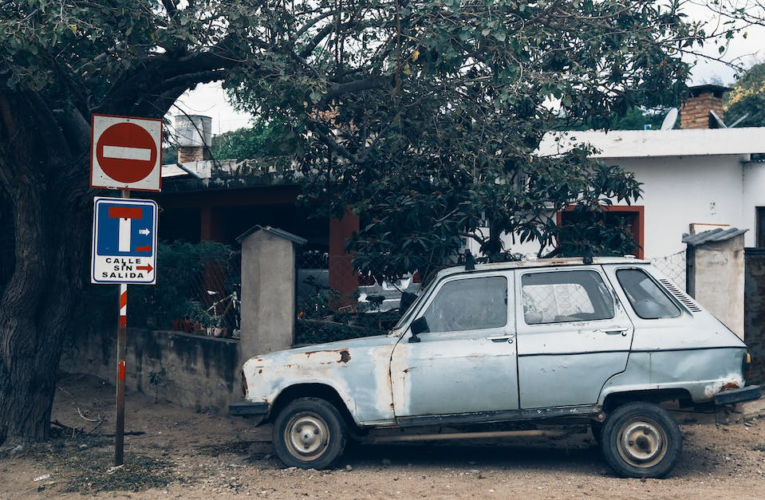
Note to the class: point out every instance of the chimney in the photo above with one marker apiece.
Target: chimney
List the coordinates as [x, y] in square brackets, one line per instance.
[194, 137]
[701, 107]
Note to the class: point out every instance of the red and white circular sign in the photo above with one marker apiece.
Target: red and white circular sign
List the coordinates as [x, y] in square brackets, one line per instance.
[126, 153]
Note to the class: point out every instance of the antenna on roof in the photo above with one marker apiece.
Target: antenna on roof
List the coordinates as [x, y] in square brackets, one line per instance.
[739, 120]
[717, 119]
[669, 120]
[469, 261]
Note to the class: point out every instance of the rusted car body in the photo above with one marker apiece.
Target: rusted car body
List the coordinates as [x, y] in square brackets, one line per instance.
[518, 341]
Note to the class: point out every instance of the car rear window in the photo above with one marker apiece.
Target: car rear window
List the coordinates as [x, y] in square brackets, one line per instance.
[647, 298]
[565, 296]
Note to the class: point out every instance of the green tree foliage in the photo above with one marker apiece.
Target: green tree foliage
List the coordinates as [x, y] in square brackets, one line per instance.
[637, 118]
[262, 140]
[422, 116]
[451, 101]
[61, 61]
[748, 98]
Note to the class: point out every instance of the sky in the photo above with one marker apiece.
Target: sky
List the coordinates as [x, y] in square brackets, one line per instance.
[210, 99]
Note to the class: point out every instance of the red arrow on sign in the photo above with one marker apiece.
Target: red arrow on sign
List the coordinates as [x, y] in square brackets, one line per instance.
[146, 268]
[146, 248]
[126, 152]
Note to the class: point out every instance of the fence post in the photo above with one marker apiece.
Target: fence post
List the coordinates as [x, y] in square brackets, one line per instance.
[268, 290]
[716, 277]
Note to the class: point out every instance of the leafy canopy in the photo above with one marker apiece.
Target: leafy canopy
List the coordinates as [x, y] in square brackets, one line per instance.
[450, 101]
[748, 98]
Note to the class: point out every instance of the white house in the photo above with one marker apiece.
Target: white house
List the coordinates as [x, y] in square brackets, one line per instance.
[694, 179]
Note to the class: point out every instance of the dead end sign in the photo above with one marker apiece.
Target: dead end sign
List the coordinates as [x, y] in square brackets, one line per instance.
[126, 153]
[124, 241]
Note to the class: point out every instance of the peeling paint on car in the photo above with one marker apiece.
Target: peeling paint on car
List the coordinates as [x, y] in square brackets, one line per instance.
[517, 371]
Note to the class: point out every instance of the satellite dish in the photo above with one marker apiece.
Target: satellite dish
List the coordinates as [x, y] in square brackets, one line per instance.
[669, 120]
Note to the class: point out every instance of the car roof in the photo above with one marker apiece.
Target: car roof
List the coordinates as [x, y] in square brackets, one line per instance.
[537, 263]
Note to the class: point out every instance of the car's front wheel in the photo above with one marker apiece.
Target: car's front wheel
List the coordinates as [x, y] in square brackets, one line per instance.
[641, 440]
[309, 433]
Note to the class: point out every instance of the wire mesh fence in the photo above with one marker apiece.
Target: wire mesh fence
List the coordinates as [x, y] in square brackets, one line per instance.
[674, 267]
[336, 300]
[198, 290]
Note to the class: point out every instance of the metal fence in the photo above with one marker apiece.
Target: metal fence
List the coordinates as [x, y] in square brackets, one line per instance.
[336, 301]
[198, 290]
[674, 267]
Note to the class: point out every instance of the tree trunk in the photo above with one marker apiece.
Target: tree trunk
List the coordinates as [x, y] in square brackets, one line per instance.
[44, 178]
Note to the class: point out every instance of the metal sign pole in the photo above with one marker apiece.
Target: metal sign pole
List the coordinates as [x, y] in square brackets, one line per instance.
[119, 433]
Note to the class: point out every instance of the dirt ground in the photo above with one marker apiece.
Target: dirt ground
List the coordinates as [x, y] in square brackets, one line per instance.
[185, 454]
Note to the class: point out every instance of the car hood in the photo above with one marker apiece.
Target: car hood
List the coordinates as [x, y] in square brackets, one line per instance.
[340, 349]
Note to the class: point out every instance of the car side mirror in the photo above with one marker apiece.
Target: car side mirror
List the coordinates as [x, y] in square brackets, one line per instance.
[420, 325]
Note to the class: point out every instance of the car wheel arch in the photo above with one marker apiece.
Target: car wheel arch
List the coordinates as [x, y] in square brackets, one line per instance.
[312, 390]
[614, 399]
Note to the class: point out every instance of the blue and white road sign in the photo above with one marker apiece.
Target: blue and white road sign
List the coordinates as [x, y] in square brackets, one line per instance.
[124, 241]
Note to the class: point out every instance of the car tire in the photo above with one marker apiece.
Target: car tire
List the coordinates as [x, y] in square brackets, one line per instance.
[641, 440]
[309, 433]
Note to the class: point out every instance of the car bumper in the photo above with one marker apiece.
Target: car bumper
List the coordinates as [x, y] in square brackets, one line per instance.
[750, 393]
[256, 411]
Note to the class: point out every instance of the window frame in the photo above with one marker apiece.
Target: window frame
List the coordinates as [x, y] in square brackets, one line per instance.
[681, 309]
[596, 270]
[509, 301]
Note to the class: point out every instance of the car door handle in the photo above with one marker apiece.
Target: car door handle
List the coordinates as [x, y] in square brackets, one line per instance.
[503, 338]
[613, 330]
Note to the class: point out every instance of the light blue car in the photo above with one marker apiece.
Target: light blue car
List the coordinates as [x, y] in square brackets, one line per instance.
[506, 350]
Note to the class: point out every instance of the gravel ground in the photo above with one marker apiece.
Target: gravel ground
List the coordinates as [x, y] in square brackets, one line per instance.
[186, 454]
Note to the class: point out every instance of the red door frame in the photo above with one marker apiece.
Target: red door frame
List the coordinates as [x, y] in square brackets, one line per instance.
[638, 230]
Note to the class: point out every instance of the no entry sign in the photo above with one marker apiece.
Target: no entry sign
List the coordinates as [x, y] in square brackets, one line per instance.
[126, 153]
[124, 241]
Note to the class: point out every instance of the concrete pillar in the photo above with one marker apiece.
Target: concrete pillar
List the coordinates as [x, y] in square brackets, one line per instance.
[716, 271]
[342, 277]
[268, 290]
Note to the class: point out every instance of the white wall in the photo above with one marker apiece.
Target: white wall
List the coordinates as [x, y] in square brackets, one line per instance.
[678, 191]
[754, 196]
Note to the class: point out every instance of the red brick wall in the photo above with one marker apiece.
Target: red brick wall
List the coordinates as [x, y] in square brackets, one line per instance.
[188, 154]
[695, 112]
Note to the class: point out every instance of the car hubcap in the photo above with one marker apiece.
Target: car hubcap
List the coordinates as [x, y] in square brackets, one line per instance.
[306, 436]
[642, 443]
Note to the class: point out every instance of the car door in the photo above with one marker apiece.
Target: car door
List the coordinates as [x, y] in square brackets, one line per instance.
[573, 335]
[466, 362]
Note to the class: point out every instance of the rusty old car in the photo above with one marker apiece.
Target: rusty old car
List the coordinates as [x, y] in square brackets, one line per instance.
[512, 349]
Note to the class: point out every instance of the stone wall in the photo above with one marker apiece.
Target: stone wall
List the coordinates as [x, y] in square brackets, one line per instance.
[199, 372]
[716, 280]
[754, 310]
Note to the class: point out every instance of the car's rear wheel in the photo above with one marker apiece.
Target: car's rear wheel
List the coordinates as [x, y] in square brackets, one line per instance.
[641, 440]
[309, 433]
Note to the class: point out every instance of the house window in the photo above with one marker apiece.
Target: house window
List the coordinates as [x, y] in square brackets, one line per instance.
[633, 217]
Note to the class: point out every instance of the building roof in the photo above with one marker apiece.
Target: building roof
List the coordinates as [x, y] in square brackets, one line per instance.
[717, 90]
[712, 236]
[659, 143]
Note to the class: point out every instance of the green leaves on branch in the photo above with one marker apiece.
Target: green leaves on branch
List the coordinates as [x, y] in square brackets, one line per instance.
[425, 117]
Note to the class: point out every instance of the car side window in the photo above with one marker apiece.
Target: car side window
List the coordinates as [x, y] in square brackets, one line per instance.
[565, 296]
[469, 304]
[647, 299]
